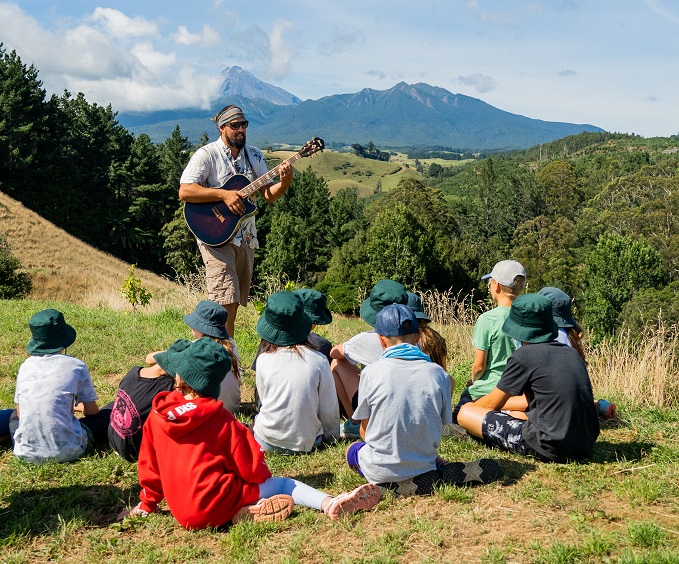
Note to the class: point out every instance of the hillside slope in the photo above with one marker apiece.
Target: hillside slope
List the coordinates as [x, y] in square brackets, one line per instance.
[64, 268]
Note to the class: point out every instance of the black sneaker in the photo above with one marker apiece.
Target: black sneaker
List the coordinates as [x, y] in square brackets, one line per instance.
[419, 485]
[481, 471]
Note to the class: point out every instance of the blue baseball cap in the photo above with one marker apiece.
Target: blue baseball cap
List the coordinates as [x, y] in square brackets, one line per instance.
[395, 320]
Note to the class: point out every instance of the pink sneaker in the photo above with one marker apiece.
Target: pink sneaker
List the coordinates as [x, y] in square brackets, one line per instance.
[363, 497]
[274, 508]
[606, 409]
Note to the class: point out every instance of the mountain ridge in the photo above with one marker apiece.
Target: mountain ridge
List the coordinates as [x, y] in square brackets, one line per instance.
[405, 115]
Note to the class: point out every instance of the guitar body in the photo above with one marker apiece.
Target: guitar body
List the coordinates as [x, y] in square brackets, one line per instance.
[213, 222]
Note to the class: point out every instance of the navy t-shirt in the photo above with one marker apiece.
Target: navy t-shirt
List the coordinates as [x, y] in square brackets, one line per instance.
[562, 419]
[131, 407]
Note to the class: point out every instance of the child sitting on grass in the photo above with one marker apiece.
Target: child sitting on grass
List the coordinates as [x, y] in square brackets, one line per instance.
[362, 349]
[132, 404]
[491, 346]
[208, 466]
[50, 385]
[404, 400]
[298, 404]
[560, 422]
[571, 334]
[208, 319]
[431, 342]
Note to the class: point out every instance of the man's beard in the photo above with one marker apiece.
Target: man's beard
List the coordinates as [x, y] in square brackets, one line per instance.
[237, 143]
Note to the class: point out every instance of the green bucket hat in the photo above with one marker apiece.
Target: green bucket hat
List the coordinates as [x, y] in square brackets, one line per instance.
[167, 360]
[561, 306]
[209, 318]
[50, 333]
[384, 293]
[315, 305]
[284, 321]
[415, 303]
[203, 365]
[530, 320]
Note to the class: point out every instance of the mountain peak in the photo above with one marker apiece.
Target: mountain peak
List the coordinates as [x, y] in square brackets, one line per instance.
[239, 82]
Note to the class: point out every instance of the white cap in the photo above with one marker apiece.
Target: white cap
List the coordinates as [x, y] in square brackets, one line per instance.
[505, 273]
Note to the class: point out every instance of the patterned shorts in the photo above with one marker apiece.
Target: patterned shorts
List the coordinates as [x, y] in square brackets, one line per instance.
[505, 431]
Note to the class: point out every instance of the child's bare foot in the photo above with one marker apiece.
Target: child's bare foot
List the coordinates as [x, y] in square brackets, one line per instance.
[274, 508]
[363, 497]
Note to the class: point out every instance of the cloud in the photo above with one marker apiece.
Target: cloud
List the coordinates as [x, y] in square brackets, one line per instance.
[207, 38]
[118, 25]
[658, 7]
[485, 16]
[567, 73]
[376, 74]
[340, 42]
[280, 51]
[652, 98]
[106, 63]
[480, 82]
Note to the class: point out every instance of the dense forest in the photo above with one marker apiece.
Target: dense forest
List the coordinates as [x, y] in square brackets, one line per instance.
[595, 214]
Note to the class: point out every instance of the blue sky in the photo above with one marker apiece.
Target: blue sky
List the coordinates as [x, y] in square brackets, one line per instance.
[610, 63]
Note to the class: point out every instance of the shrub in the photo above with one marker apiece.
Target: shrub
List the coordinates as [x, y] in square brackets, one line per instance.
[14, 284]
[647, 308]
[342, 298]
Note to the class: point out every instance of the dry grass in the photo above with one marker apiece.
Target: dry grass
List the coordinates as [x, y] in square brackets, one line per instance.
[644, 373]
[65, 269]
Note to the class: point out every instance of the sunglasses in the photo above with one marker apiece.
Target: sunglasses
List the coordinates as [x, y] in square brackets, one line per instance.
[238, 125]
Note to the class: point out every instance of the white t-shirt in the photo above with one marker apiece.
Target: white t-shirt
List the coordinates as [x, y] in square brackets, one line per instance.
[213, 164]
[364, 348]
[298, 399]
[46, 390]
[407, 403]
[229, 391]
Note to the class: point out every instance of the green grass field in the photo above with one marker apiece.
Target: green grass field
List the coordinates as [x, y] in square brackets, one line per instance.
[620, 506]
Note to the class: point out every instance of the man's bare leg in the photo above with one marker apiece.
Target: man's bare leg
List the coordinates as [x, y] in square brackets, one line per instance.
[232, 310]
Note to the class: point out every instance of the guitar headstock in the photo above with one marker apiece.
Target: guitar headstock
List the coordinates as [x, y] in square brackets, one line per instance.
[314, 146]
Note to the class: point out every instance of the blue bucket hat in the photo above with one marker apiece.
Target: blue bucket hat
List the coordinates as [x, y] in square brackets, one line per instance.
[209, 318]
[415, 303]
[561, 306]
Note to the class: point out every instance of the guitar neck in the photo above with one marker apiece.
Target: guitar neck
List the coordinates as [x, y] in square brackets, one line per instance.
[266, 178]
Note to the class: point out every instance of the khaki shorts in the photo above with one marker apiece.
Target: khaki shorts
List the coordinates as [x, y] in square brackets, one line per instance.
[228, 272]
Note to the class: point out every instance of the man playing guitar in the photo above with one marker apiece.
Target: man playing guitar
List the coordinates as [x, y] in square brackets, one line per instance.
[228, 268]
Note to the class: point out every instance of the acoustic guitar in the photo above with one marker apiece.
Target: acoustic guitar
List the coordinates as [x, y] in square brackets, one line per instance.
[214, 223]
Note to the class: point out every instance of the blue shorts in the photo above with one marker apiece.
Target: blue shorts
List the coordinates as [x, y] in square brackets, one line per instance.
[352, 456]
[505, 431]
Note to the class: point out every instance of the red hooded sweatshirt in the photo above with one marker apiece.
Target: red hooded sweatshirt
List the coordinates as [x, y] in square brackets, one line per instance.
[200, 458]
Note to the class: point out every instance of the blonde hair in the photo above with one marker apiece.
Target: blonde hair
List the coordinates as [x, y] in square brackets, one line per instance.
[519, 285]
[575, 335]
[228, 346]
[433, 344]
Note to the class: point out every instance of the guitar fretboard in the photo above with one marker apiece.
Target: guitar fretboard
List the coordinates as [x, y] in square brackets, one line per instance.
[266, 178]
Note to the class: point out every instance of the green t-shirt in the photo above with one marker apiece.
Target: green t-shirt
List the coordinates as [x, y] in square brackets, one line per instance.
[488, 336]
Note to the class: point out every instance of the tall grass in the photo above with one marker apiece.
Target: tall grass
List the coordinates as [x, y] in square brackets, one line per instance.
[643, 373]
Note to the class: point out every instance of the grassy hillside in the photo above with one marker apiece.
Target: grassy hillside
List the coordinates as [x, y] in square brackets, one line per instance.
[343, 170]
[620, 506]
[64, 268]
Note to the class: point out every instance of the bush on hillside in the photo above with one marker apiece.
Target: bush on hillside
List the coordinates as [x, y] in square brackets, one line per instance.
[14, 284]
[648, 308]
[342, 298]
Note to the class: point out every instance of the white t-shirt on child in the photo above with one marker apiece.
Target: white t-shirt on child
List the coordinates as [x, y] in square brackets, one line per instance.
[47, 388]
